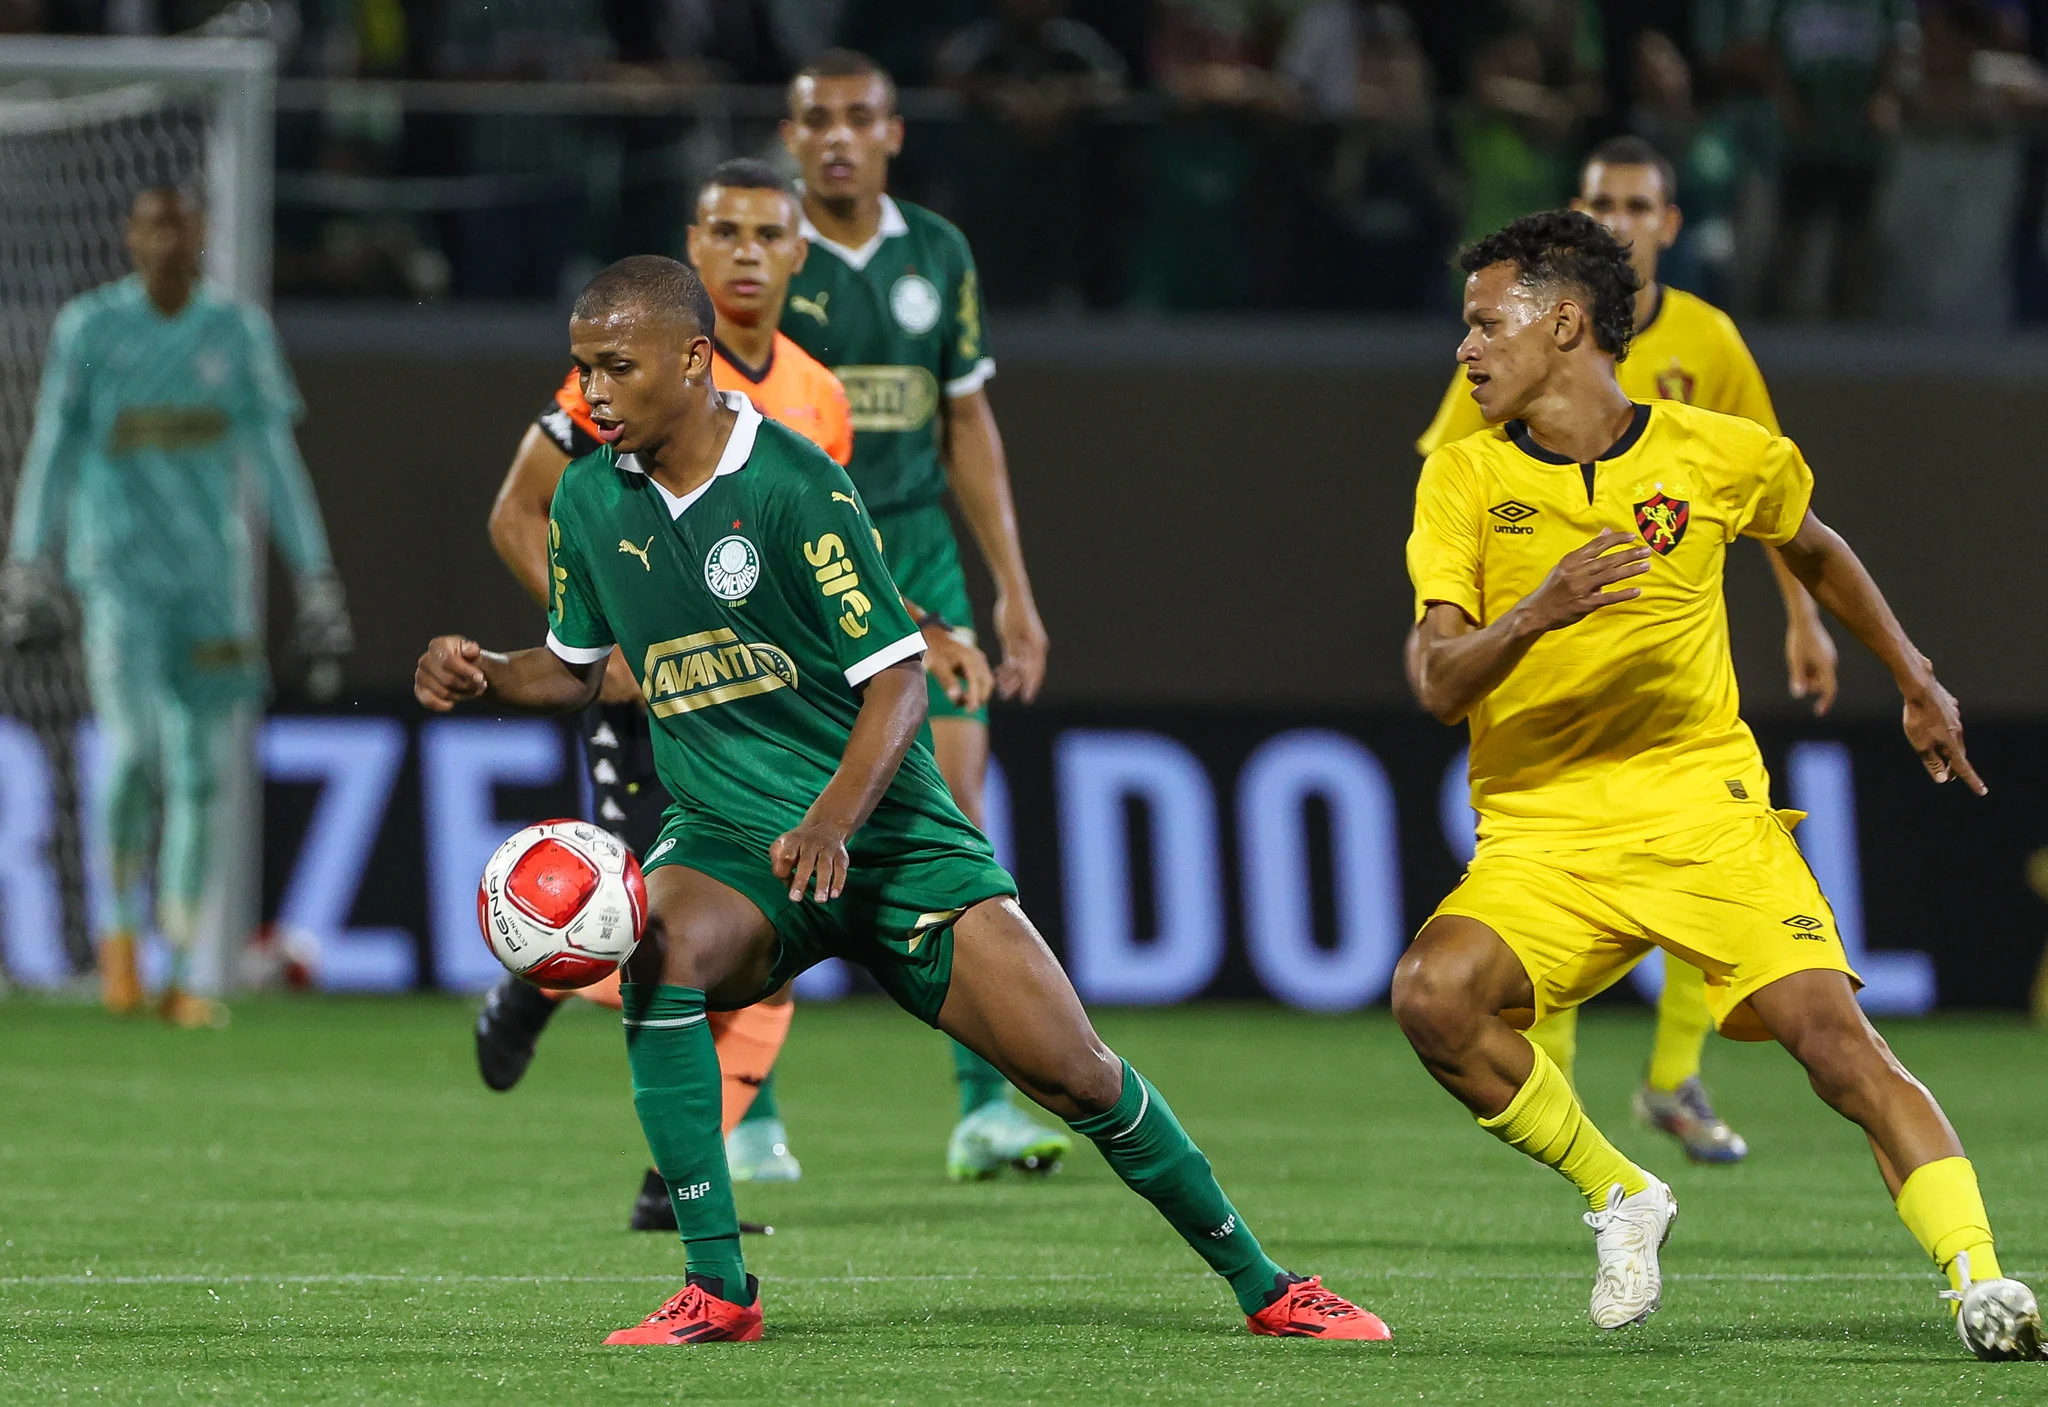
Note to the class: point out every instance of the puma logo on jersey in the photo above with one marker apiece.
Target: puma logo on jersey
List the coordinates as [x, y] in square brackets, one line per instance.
[640, 552]
[811, 307]
[839, 497]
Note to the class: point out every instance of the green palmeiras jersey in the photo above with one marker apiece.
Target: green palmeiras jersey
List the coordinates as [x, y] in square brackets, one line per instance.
[752, 611]
[899, 322]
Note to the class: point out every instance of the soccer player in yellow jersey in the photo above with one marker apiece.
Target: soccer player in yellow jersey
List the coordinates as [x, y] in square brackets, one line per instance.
[1567, 568]
[1684, 349]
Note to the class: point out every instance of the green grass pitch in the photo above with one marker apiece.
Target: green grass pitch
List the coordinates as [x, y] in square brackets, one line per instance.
[323, 1204]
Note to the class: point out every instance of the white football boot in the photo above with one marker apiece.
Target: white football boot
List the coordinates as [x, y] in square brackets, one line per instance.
[1998, 1320]
[1627, 1233]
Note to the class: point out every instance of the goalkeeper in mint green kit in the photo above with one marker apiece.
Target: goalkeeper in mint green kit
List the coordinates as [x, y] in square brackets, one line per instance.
[736, 568]
[161, 407]
[889, 300]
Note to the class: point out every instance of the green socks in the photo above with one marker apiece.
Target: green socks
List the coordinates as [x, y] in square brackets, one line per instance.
[764, 1105]
[1145, 1144]
[980, 1082]
[676, 1093]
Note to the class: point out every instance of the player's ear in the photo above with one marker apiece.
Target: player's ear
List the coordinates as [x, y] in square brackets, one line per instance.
[1674, 221]
[894, 128]
[787, 130]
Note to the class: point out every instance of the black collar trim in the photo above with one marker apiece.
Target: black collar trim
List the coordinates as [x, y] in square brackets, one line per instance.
[1518, 432]
[756, 377]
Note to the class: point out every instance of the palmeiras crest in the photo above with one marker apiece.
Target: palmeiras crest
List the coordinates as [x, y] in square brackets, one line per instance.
[1661, 520]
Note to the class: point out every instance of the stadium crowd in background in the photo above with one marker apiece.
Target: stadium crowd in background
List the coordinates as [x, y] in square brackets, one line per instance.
[1194, 154]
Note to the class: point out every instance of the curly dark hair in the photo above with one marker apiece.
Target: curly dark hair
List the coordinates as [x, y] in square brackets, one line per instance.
[1570, 248]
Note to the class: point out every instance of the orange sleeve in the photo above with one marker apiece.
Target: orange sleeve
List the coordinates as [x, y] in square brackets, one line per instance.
[835, 416]
[570, 399]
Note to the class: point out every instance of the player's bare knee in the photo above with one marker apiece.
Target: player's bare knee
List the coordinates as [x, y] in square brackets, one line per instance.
[1432, 1003]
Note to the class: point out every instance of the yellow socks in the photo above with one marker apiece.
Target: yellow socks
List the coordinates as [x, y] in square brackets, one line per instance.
[1545, 1121]
[1683, 1024]
[1557, 1036]
[1942, 1207]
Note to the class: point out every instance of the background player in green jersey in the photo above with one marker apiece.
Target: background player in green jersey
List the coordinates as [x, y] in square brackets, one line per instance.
[734, 565]
[158, 399]
[889, 300]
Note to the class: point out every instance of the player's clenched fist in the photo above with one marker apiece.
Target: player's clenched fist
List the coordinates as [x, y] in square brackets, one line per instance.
[450, 671]
[1577, 585]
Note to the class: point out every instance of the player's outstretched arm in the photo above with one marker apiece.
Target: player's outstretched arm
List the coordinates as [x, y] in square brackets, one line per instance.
[456, 670]
[892, 709]
[519, 515]
[1831, 570]
[1810, 655]
[1453, 663]
[980, 476]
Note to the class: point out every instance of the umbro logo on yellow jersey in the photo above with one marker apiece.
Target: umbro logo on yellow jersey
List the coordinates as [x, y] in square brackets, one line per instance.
[640, 552]
[1513, 516]
[1808, 927]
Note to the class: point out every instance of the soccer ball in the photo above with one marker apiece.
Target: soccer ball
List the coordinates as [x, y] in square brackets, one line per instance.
[562, 904]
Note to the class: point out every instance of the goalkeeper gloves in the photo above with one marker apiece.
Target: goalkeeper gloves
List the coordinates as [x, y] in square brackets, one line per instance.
[322, 634]
[35, 609]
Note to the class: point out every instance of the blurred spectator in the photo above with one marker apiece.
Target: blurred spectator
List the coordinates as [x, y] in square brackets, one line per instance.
[1032, 78]
[1202, 159]
[1513, 134]
[904, 36]
[1377, 241]
[1703, 148]
[513, 237]
[1949, 209]
[1838, 100]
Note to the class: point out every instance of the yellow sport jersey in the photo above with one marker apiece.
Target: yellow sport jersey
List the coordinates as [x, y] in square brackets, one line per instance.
[1624, 726]
[1689, 351]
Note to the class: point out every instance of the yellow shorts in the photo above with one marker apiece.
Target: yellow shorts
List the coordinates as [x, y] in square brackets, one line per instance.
[1734, 898]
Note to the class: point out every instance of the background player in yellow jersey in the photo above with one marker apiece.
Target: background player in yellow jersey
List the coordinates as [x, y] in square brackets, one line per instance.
[1684, 349]
[1623, 802]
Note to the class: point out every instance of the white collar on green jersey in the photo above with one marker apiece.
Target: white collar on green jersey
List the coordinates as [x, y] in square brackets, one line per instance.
[893, 224]
[737, 448]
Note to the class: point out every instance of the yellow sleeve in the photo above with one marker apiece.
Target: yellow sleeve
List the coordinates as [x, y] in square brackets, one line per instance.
[1745, 391]
[1782, 493]
[1457, 417]
[1443, 548]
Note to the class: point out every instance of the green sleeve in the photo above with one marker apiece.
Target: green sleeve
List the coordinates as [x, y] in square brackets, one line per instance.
[577, 628]
[50, 468]
[858, 608]
[270, 410]
[964, 361]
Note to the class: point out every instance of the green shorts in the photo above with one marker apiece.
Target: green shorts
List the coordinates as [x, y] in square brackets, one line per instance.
[896, 920]
[919, 546]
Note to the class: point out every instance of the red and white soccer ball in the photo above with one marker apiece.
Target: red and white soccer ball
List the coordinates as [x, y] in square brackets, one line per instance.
[562, 904]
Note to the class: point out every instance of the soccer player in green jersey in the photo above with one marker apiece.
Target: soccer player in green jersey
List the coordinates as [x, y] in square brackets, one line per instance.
[785, 682]
[159, 399]
[889, 300]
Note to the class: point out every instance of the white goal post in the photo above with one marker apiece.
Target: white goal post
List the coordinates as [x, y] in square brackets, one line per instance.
[85, 124]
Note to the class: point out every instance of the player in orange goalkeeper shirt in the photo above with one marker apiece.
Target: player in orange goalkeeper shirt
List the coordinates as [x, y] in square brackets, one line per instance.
[745, 244]
[1684, 349]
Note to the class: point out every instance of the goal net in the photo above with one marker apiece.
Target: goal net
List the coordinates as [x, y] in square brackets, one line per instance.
[86, 124]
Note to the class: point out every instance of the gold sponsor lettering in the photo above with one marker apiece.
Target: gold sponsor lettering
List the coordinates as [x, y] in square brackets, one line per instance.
[709, 668]
[970, 317]
[853, 613]
[890, 397]
[826, 549]
[168, 427]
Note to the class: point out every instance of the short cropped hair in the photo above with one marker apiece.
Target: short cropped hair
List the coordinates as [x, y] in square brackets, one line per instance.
[1572, 249]
[746, 173]
[1634, 151]
[649, 283]
[844, 63]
